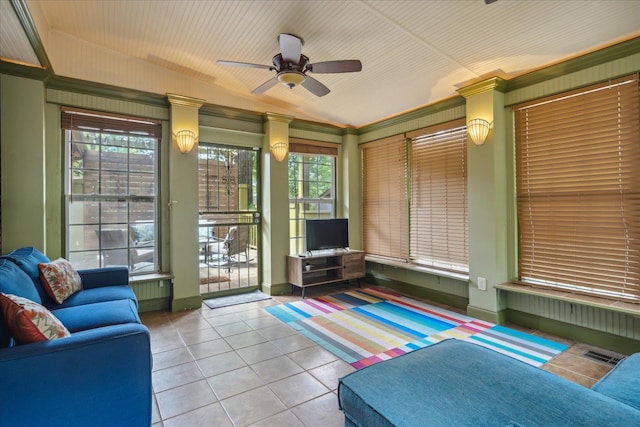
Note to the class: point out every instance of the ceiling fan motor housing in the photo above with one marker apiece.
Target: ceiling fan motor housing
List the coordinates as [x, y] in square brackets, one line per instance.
[290, 73]
[291, 67]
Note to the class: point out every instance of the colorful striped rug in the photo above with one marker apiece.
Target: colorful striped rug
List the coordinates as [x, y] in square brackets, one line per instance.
[366, 326]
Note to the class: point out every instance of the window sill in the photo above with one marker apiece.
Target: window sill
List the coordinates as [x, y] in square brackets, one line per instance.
[421, 269]
[619, 306]
[141, 278]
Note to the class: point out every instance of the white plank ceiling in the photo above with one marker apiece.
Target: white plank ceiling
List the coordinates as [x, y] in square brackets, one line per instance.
[414, 53]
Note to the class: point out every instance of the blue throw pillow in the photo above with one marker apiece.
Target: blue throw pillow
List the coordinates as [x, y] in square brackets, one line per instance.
[14, 281]
[28, 259]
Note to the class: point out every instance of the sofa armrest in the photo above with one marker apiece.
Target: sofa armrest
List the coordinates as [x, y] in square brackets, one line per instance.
[99, 377]
[106, 276]
[622, 382]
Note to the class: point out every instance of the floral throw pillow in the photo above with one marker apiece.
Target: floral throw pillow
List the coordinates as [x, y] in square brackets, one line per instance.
[60, 279]
[30, 322]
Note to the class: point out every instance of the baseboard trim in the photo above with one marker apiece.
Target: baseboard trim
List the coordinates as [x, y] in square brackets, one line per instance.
[188, 303]
[277, 289]
[594, 337]
[156, 304]
[487, 315]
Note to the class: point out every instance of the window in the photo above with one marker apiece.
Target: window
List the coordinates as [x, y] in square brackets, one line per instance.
[385, 220]
[415, 197]
[111, 190]
[311, 187]
[438, 208]
[578, 190]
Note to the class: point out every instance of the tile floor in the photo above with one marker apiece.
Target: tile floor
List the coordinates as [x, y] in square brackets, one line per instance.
[239, 366]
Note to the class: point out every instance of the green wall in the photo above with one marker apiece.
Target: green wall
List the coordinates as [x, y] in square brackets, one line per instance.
[32, 197]
[22, 149]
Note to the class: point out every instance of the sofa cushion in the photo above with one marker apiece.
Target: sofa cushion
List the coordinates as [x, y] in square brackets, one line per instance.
[16, 282]
[60, 279]
[454, 383]
[96, 315]
[104, 276]
[13, 280]
[30, 322]
[623, 382]
[27, 259]
[90, 296]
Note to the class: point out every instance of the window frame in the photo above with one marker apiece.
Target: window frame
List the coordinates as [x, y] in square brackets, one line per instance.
[308, 150]
[103, 125]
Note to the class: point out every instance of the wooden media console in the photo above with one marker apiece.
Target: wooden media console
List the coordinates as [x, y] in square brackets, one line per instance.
[313, 270]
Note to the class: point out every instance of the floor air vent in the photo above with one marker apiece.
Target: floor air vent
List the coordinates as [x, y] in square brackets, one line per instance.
[601, 357]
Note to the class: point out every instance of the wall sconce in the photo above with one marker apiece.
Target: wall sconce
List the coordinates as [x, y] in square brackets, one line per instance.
[186, 140]
[478, 130]
[279, 150]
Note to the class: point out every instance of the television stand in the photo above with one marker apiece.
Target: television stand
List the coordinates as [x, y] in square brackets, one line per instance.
[325, 268]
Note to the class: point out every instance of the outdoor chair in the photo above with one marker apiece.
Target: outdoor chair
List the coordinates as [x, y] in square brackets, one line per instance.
[235, 243]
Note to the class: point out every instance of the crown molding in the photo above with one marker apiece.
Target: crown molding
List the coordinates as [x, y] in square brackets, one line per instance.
[275, 117]
[446, 104]
[309, 126]
[104, 90]
[185, 101]
[25, 70]
[30, 30]
[223, 112]
[491, 84]
[592, 59]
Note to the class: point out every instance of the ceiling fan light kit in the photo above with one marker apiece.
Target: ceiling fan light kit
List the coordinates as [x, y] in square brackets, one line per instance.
[290, 78]
[291, 67]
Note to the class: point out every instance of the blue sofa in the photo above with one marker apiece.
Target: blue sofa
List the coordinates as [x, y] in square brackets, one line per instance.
[457, 383]
[100, 375]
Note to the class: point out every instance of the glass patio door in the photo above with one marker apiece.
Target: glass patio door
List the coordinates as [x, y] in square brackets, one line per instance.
[229, 227]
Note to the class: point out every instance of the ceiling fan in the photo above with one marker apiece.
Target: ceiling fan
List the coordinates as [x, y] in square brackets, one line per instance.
[292, 67]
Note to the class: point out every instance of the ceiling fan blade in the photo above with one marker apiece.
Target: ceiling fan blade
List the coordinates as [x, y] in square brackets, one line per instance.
[265, 86]
[344, 66]
[315, 87]
[244, 64]
[290, 47]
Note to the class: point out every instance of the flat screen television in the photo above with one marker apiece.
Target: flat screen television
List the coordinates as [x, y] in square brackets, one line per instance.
[327, 233]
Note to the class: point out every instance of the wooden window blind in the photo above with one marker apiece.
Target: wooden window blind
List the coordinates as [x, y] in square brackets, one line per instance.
[578, 190]
[303, 146]
[438, 194]
[92, 121]
[385, 216]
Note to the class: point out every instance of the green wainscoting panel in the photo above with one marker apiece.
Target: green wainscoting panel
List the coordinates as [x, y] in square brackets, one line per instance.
[574, 332]
[419, 291]
[153, 295]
